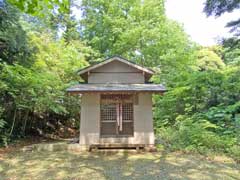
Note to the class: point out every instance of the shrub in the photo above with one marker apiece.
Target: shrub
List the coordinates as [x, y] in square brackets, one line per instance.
[196, 136]
[3, 137]
[234, 152]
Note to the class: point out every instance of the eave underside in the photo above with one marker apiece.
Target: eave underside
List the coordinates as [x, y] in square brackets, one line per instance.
[117, 88]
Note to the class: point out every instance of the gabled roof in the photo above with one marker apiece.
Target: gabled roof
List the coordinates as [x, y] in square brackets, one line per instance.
[116, 58]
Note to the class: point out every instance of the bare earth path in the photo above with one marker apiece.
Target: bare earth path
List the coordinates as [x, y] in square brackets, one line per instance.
[71, 165]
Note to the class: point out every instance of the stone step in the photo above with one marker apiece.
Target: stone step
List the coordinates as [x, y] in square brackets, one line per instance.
[52, 147]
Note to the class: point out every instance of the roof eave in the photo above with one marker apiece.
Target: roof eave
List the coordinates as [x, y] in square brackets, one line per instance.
[122, 90]
[127, 91]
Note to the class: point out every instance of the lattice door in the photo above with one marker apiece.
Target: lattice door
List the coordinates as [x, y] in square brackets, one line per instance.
[116, 115]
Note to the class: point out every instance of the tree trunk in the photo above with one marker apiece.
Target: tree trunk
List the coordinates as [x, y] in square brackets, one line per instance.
[25, 122]
[13, 124]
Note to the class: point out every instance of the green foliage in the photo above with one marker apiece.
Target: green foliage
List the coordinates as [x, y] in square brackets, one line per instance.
[196, 135]
[231, 53]
[2, 127]
[234, 151]
[14, 45]
[192, 92]
[38, 8]
[137, 30]
[201, 112]
[208, 60]
[64, 59]
[32, 95]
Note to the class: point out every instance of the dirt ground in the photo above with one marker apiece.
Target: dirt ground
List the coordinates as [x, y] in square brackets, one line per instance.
[61, 165]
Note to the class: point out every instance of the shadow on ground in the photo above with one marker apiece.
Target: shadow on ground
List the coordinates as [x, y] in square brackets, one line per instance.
[114, 165]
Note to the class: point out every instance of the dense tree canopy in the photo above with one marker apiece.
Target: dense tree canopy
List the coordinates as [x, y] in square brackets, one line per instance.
[13, 39]
[208, 60]
[134, 29]
[34, 93]
[231, 53]
[36, 7]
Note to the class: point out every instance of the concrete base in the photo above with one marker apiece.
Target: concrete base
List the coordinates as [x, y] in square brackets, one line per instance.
[138, 147]
[61, 146]
[64, 146]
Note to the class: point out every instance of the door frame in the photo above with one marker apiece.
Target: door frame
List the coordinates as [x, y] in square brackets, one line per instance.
[117, 135]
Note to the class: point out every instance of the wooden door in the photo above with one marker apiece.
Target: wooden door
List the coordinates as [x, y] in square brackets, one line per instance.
[116, 115]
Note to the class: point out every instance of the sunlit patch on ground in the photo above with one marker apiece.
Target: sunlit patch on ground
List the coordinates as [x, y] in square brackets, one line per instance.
[68, 165]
